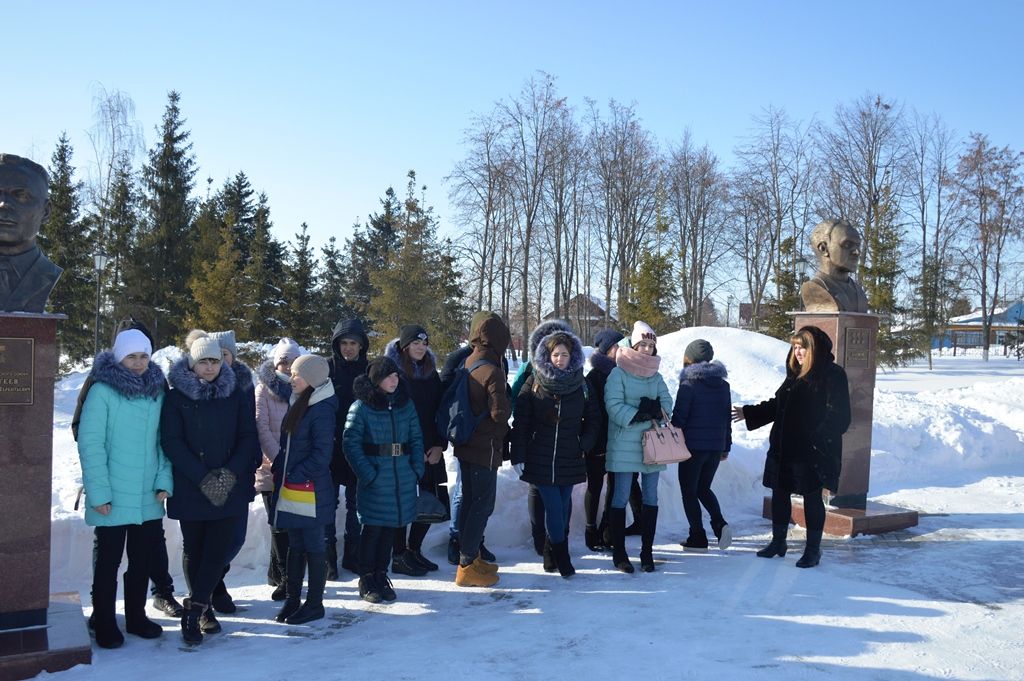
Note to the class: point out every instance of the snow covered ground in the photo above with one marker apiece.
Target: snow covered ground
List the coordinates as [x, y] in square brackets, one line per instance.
[942, 600]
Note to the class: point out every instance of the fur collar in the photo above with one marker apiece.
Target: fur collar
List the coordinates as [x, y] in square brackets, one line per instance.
[184, 379]
[545, 329]
[371, 395]
[243, 376]
[601, 362]
[269, 379]
[550, 377]
[107, 370]
[420, 373]
[703, 371]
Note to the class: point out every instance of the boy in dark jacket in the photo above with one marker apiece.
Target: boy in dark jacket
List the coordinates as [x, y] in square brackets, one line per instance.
[703, 412]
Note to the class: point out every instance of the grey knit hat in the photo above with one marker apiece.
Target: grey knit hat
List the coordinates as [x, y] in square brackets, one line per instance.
[203, 348]
[313, 369]
[699, 351]
[226, 340]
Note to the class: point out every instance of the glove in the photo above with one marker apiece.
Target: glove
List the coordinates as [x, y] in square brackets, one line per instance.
[217, 485]
[651, 407]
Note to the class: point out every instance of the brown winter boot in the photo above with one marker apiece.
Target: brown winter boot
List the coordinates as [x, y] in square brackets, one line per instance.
[475, 575]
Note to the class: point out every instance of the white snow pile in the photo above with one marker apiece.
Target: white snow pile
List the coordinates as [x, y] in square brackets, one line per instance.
[943, 600]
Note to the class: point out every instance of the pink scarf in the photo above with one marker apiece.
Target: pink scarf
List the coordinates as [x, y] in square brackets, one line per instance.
[637, 363]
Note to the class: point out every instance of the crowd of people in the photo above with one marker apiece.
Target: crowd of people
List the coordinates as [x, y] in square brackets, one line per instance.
[311, 434]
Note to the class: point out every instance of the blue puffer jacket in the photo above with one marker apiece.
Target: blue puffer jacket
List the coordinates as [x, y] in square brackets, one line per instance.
[205, 426]
[386, 490]
[308, 453]
[622, 394]
[122, 463]
[704, 407]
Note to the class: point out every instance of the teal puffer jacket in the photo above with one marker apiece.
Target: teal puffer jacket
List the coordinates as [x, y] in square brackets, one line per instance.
[118, 445]
[622, 393]
[386, 489]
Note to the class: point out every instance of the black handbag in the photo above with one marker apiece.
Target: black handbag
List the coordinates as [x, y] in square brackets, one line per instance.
[429, 508]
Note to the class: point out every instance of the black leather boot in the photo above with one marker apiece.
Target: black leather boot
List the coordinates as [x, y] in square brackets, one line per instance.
[617, 526]
[812, 550]
[648, 526]
[313, 608]
[560, 552]
[777, 546]
[103, 622]
[295, 570]
[135, 620]
[549, 559]
[190, 614]
[331, 562]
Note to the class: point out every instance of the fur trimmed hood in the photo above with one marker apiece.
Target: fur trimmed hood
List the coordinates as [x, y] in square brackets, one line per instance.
[184, 379]
[541, 361]
[601, 362]
[702, 371]
[243, 376]
[364, 390]
[545, 329]
[269, 379]
[395, 355]
[107, 370]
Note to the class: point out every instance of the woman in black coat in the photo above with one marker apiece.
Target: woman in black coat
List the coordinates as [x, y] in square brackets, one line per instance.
[809, 414]
[555, 422]
[417, 364]
[208, 431]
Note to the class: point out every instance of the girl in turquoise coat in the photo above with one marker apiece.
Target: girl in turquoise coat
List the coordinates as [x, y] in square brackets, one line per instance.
[126, 479]
[384, 445]
[634, 395]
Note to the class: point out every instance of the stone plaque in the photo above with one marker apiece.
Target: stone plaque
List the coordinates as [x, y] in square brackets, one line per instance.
[17, 371]
[857, 347]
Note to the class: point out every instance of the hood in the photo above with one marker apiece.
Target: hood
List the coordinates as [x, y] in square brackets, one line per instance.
[243, 376]
[184, 379]
[107, 370]
[421, 371]
[704, 371]
[491, 333]
[541, 362]
[601, 362]
[545, 329]
[823, 356]
[349, 327]
[269, 379]
[364, 390]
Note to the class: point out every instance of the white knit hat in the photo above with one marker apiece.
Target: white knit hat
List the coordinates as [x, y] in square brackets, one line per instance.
[286, 350]
[642, 332]
[129, 341]
[203, 348]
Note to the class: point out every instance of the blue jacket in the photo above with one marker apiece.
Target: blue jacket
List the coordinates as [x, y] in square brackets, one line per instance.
[122, 463]
[704, 407]
[386, 487]
[205, 426]
[308, 453]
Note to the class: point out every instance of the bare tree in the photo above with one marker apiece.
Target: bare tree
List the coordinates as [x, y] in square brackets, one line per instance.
[116, 139]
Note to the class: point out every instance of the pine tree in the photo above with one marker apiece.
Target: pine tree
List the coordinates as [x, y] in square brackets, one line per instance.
[368, 252]
[68, 241]
[331, 295]
[652, 293]
[120, 215]
[239, 211]
[300, 291]
[215, 288]
[262, 279]
[777, 322]
[161, 269]
[206, 233]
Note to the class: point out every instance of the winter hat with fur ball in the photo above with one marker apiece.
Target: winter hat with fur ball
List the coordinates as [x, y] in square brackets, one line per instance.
[379, 369]
[642, 331]
[313, 369]
[286, 350]
[203, 348]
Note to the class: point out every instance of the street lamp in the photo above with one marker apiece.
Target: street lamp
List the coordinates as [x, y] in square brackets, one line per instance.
[728, 310]
[99, 259]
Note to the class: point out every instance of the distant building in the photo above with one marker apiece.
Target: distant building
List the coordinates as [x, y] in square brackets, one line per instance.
[966, 331]
[586, 314]
[746, 315]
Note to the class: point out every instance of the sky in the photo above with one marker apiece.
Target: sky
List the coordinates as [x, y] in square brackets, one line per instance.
[325, 105]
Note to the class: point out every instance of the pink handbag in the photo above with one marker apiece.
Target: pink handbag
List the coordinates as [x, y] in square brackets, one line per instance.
[664, 443]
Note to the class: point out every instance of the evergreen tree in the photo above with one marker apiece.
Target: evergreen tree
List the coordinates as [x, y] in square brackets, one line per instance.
[368, 252]
[239, 211]
[207, 230]
[652, 293]
[120, 215]
[215, 288]
[777, 322]
[331, 305]
[262, 278]
[161, 269]
[68, 241]
[300, 292]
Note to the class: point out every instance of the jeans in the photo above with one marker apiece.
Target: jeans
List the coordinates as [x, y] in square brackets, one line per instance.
[207, 543]
[557, 507]
[455, 491]
[648, 489]
[695, 477]
[479, 484]
[307, 540]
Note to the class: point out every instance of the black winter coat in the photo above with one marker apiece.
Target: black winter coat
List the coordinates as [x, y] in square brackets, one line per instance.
[205, 426]
[808, 417]
[550, 432]
[703, 408]
[343, 373]
[600, 367]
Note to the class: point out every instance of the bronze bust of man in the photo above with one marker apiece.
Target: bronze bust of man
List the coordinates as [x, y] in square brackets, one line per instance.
[26, 275]
[836, 244]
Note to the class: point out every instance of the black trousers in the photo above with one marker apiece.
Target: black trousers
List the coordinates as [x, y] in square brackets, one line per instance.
[108, 547]
[479, 484]
[375, 543]
[695, 477]
[595, 482]
[208, 545]
[814, 514]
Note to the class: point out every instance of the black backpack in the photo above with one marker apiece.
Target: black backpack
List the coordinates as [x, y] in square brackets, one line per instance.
[455, 417]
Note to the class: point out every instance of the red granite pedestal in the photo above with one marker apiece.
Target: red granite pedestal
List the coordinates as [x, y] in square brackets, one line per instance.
[37, 630]
[854, 343]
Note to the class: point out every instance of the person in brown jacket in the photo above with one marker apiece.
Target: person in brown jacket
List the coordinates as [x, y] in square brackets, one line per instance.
[482, 455]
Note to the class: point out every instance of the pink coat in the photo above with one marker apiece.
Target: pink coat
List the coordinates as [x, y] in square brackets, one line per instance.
[271, 407]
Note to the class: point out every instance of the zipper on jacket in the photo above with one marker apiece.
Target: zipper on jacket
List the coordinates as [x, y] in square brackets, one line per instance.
[554, 449]
[394, 464]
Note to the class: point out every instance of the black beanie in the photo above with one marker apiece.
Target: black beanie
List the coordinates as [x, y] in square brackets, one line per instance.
[380, 368]
[410, 332]
[605, 339]
[699, 351]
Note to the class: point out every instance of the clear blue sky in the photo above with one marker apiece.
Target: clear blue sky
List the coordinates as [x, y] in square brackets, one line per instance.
[324, 105]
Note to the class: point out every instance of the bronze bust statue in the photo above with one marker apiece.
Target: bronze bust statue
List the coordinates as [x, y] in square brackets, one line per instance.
[26, 275]
[836, 244]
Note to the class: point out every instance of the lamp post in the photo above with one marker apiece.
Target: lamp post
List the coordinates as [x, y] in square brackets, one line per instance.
[100, 260]
[728, 310]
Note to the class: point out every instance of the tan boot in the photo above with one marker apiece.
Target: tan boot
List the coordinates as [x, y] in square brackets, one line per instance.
[484, 566]
[472, 575]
